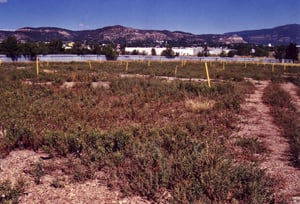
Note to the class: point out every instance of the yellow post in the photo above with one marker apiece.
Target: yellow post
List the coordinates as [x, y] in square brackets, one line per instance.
[273, 67]
[175, 71]
[0, 61]
[37, 65]
[47, 63]
[182, 63]
[207, 74]
[149, 63]
[90, 64]
[223, 66]
[127, 66]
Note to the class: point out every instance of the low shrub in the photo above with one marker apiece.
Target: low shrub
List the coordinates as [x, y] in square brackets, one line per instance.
[251, 145]
[10, 193]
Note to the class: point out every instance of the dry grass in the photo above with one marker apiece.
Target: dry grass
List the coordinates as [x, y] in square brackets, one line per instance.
[199, 104]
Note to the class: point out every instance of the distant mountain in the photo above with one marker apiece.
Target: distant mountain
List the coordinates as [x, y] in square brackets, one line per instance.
[115, 34]
[278, 35]
[125, 35]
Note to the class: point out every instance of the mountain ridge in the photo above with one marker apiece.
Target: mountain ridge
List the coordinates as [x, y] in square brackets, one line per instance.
[281, 34]
[284, 34]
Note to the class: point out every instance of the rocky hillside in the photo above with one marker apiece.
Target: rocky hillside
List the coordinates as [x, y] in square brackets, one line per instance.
[279, 35]
[120, 34]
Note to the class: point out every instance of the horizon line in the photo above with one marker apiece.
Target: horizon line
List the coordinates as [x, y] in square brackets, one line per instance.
[76, 30]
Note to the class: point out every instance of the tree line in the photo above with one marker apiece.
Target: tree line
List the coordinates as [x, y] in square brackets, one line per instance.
[12, 48]
[281, 52]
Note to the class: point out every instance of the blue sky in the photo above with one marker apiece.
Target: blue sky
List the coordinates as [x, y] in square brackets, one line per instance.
[195, 16]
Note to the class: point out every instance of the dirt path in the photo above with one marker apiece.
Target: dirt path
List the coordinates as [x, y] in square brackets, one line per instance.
[258, 123]
[14, 166]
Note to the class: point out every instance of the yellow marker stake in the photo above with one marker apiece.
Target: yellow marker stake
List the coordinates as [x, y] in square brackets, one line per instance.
[90, 64]
[47, 63]
[37, 65]
[0, 62]
[176, 70]
[223, 66]
[207, 74]
[149, 63]
[127, 66]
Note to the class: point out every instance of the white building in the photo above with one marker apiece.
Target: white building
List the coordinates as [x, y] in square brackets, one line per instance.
[181, 51]
[187, 51]
[217, 50]
[145, 50]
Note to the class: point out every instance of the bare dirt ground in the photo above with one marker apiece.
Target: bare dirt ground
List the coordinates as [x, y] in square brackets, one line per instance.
[17, 163]
[257, 122]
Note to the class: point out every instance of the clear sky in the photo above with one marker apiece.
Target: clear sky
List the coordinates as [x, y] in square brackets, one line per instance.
[195, 16]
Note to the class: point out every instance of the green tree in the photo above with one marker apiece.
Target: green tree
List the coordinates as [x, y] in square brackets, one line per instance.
[153, 52]
[261, 51]
[109, 52]
[43, 49]
[97, 49]
[223, 54]
[168, 52]
[135, 52]
[55, 47]
[243, 49]
[31, 50]
[292, 52]
[280, 52]
[77, 48]
[231, 53]
[204, 52]
[11, 48]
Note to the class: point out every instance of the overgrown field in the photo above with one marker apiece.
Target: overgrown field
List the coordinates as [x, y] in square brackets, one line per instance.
[153, 136]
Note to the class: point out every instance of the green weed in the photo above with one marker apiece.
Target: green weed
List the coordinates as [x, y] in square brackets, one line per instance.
[10, 193]
[251, 145]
